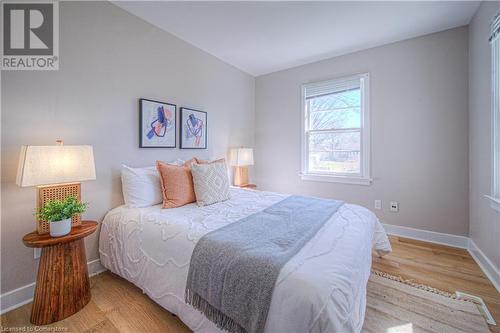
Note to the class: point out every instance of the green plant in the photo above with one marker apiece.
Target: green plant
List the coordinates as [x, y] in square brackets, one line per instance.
[57, 210]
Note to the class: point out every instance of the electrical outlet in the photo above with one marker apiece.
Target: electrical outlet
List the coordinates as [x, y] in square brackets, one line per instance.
[36, 252]
[378, 204]
[394, 206]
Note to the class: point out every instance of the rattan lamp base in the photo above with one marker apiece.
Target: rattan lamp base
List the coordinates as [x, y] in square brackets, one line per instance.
[241, 176]
[56, 192]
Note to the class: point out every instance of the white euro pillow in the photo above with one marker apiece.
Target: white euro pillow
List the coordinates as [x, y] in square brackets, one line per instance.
[141, 187]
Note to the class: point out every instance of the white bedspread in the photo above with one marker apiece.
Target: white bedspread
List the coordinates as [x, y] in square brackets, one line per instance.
[321, 289]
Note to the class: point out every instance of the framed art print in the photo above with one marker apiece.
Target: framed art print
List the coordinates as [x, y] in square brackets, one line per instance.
[193, 129]
[157, 124]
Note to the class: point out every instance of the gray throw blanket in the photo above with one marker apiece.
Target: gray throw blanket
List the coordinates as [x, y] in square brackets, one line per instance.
[233, 269]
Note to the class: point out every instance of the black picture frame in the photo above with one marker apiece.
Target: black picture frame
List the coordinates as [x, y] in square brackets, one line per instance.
[143, 126]
[184, 142]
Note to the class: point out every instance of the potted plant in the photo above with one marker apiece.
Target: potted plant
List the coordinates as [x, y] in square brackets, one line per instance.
[59, 213]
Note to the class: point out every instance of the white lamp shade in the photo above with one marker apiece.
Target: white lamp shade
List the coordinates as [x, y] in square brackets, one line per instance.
[44, 165]
[241, 156]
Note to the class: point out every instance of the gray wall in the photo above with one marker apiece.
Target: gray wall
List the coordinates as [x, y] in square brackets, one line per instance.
[423, 140]
[419, 130]
[109, 59]
[484, 222]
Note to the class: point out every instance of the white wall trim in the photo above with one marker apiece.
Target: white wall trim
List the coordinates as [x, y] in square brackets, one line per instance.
[462, 242]
[20, 296]
[335, 179]
[489, 269]
[95, 267]
[428, 236]
[16, 298]
[494, 202]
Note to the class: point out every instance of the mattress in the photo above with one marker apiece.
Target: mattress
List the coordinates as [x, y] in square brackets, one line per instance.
[321, 289]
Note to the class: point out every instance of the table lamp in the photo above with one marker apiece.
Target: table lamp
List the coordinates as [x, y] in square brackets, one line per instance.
[56, 171]
[241, 158]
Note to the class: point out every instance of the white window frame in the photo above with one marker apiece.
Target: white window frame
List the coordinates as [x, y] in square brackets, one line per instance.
[494, 197]
[365, 155]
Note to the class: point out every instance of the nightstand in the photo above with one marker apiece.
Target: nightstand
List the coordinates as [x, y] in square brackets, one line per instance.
[249, 186]
[62, 284]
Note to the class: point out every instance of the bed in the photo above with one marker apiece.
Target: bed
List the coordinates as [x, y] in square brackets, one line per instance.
[321, 289]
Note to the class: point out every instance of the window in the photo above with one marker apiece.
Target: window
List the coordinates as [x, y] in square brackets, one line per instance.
[495, 113]
[336, 131]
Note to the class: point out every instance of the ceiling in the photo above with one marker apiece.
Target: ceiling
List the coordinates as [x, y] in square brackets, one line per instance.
[264, 37]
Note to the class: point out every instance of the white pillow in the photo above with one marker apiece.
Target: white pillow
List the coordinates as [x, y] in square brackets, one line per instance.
[211, 183]
[141, 187]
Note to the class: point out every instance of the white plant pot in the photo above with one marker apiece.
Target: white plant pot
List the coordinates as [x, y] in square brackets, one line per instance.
[60, 228]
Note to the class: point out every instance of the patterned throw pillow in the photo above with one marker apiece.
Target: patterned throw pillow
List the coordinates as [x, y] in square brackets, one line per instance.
[211, 183]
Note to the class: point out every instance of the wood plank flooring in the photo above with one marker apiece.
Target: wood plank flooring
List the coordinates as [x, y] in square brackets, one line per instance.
[442, 267]
[119, 306]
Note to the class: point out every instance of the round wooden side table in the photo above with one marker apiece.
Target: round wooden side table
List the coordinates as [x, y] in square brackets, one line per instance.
[62, 284]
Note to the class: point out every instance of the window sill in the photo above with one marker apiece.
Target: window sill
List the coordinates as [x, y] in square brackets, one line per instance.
[335, 179]
[494, 202]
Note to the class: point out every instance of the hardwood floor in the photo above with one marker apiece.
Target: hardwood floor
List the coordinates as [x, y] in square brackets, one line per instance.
[116, 306]
[119, 306]
[442, 267]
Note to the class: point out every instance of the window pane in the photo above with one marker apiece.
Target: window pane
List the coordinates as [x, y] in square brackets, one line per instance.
[336, 111]
[334, 141]
[342, 99]
[335, 119]
[335, 162]
[335, 152]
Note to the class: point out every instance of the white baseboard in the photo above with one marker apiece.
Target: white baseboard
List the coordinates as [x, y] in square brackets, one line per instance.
[16, 298]
[489, 269]
[20, 296]
[95, 267]
[428, 236]
[462, 242]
